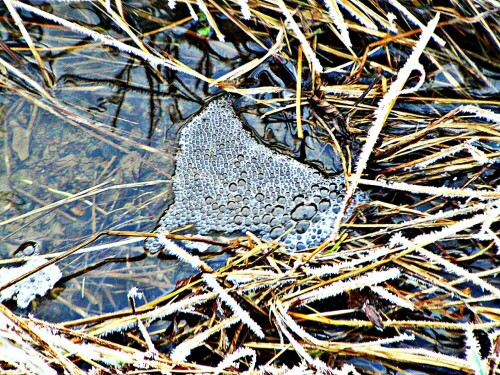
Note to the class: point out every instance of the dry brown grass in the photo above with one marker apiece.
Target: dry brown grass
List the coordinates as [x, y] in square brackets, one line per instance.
[404, 276]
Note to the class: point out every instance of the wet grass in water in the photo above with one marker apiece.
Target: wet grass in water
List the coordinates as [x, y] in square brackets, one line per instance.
[407, 284]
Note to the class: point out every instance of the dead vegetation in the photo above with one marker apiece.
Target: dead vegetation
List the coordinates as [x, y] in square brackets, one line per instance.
[407, 284]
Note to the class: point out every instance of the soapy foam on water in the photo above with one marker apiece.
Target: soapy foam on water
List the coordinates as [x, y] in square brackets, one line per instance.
[225, 181]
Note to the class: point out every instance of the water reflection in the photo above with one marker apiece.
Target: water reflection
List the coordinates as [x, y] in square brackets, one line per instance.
[127, 151]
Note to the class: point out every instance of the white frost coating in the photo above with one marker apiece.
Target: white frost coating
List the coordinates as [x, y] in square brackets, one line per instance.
[26, 359]
[391, 17]
[481, 113]
[410, 17]
[335, 269]
[171, 248]
[231, 359]
[338, 287]
[300, 36]
[473, 352]
[27, 289]
[338, 20]
[391, 297]
[245, 9]
[226, 181]
[105, 39]
[382, 113]
[242, 315]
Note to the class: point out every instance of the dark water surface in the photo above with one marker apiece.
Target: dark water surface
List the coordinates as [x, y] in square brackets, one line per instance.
[46, 158]
[130, 157]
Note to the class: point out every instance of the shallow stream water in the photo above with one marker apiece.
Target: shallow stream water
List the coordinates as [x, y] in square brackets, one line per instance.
[128, 153]
[129, 150]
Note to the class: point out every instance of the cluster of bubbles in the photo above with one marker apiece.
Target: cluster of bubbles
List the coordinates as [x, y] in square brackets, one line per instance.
[225, 181]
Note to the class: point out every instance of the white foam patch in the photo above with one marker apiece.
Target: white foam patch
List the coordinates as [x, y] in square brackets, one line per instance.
[27, 289]
[225, 181]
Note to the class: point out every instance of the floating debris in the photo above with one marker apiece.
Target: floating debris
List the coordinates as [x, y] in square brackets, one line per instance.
[225, 181]
[27, 289]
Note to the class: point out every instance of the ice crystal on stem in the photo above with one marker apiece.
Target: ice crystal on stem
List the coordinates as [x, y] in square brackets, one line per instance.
[300, 36]
[434, 190]
[381, 115]
[424, 239]
[410, 17]
[173, 249]
[336, 288]
[230, 360]
[212, 283]
[105, 39]
[338, 20]
[183, 350]
[391, 297]
[245, 9]
[481, 113]
[473, 352]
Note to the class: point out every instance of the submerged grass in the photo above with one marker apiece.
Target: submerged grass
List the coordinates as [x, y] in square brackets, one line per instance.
[393, 286]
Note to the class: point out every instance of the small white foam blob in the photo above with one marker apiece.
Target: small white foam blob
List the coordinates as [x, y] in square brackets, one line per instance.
[225, 181]
[27, 289]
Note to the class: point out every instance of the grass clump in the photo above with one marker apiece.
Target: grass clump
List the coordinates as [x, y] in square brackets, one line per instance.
[408, 283]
